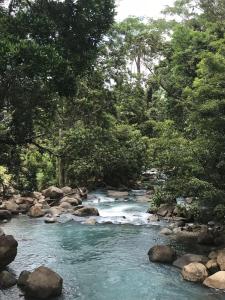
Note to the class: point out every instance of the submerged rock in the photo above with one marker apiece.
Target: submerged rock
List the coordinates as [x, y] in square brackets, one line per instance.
[195, 272]
[162, 253]
[90, 221]
[153, 218]
[8, 250]
[216, 281]
[86, 211]
[43, 283]
[7, 279]
[117, 194]
[186, 259]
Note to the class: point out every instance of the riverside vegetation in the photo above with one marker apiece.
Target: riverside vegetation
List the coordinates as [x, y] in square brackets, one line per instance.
[86, 101]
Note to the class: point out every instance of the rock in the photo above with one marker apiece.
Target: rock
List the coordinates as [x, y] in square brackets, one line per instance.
[189, 200]
[162, 253]
[216, 281]
[86, 211]
[153, 218]
[213, 255]
[50, 220]
[11, 206]
[56, 211]
[5, 215]
[219, 240]
[36, 212]
[8, 250]
[221, 259]
[70, 200]
[165, 210]
[43, 283]
[22, 280]
[211, 223]
[53, 193]
[66, 205]
[212, 266]
[166, 231]
[37, 195]
[177, 230]
[7, 279]
[90, 221]
[66, 190]
[195, 272]
[117, 194]
[152, 210]
[24, 208]
[206, 238]
[186, 259]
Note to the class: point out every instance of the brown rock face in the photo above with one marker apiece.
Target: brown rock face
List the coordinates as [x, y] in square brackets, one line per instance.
[162, 254]
[216, 281]
[7, 279]
[86, 211]
[195, 272]
[186, 259]
[221, 259]
[71, 200]
[53, 193]
[8, 250]
[43, 283]
[36, 212]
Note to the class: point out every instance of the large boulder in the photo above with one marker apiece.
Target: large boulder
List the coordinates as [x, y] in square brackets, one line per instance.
[186, 259]
[11, 206]
[162, 254]
[8, 250]
[165, 210]
[36, 212]
[5, 215]
[221, 259]
[71, 200]
[53, 193]
[43, 283]
[66, 190]
[216, 281]
[7, 279]
[22, 280]
[206, 238]
[86, 211]
[195, 272]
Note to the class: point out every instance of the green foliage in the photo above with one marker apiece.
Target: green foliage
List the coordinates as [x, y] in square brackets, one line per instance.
[114, 156]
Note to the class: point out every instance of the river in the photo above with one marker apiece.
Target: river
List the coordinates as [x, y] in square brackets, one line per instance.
[105, 261]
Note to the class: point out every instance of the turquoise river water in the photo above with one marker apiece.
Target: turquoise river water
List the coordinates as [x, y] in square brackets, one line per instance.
[105, 261]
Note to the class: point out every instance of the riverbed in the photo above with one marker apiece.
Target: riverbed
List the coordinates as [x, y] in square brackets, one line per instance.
[104, 261]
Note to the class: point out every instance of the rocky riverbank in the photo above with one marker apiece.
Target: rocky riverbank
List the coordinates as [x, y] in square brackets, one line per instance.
[50, 203]
[42, 283]
[208, 270]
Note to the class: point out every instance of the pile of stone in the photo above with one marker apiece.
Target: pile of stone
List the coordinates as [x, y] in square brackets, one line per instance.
[209, 270]
[51, 202]
[42, 283]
